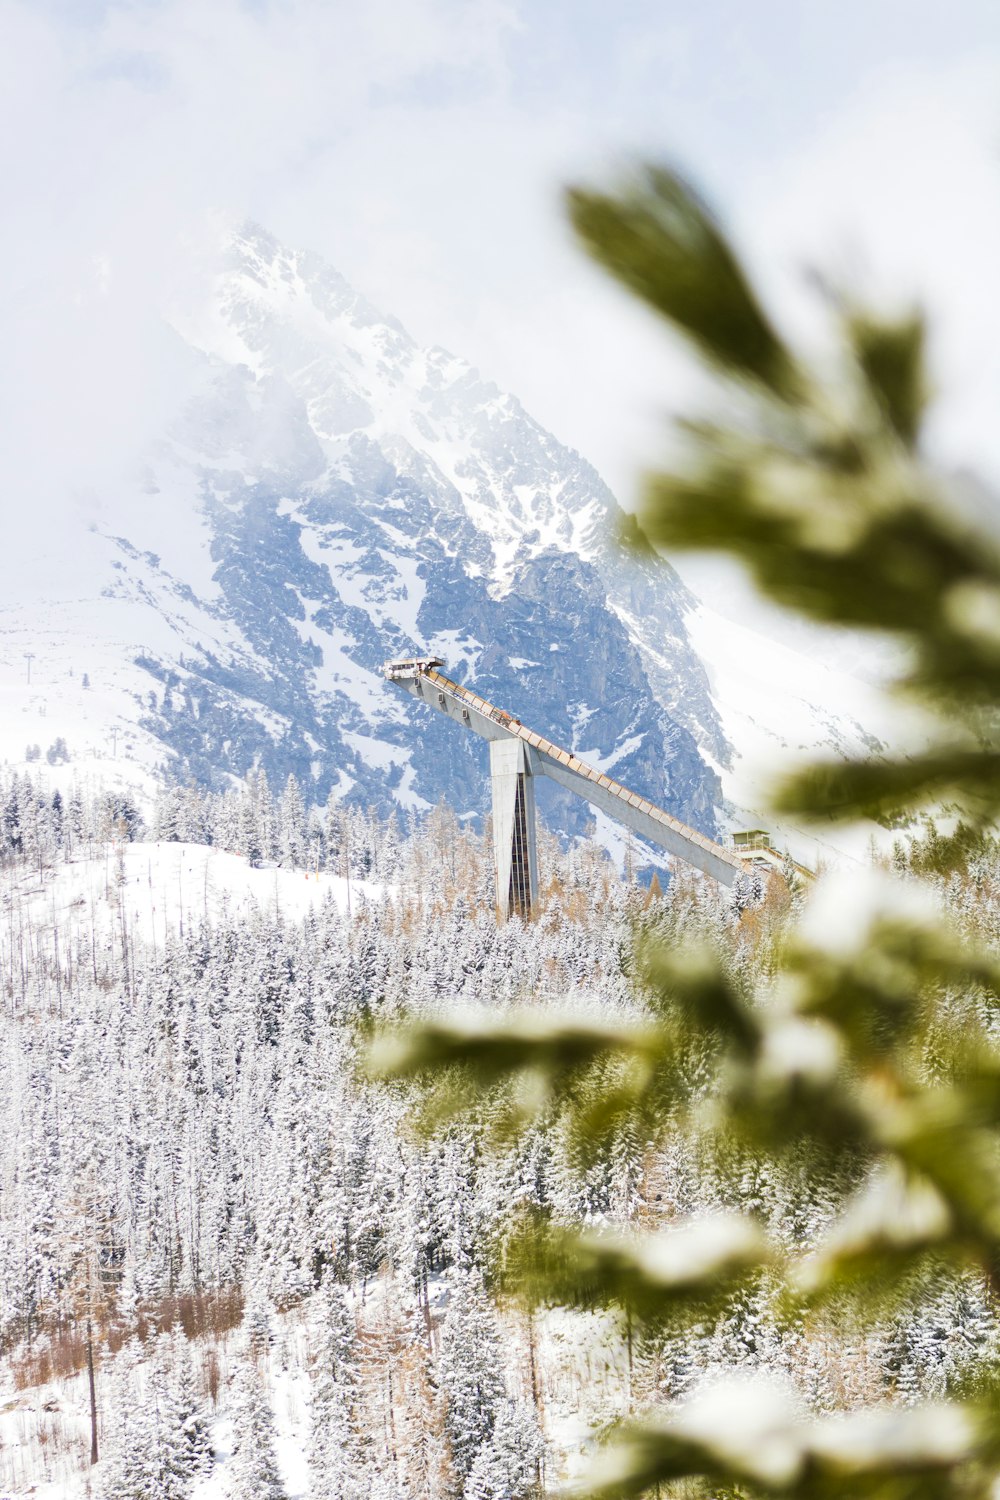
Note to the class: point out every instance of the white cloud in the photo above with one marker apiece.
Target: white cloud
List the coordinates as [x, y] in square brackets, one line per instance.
[421, 145]
[121, 144]
[900, 196]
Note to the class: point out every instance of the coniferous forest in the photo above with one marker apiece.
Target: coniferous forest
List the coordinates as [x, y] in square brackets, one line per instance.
[264, 1249]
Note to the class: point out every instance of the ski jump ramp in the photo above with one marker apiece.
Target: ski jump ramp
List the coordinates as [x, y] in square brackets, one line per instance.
[517, 756]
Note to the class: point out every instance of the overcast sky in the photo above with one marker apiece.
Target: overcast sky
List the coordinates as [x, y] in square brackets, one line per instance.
[421, 145]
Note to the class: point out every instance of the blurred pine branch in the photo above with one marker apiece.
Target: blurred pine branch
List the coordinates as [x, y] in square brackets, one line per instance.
[839, 1053]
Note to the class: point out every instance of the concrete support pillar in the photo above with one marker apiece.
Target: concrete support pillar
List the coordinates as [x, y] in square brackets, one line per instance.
[514, 850]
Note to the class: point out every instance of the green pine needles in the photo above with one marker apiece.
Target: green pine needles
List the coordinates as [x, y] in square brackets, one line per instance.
[855, 1051]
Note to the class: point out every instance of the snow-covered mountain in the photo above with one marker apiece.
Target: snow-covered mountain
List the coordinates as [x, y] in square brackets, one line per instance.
[329, 495]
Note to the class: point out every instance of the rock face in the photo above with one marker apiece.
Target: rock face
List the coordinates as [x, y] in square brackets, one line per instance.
[331, 495]
[361, 498]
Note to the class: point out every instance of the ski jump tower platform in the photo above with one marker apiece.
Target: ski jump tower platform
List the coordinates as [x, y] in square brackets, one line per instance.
[517, 756]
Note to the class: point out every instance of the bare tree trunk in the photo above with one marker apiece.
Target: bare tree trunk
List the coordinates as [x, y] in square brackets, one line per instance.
[425, 1302]
[536, 1396]
[93, 1392]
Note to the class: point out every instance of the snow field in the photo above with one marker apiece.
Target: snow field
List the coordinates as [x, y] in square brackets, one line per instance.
[155, 888]
[781, 708]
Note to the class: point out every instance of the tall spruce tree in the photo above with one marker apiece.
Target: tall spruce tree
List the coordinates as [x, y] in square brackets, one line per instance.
[470, 1370]
[335, 1462]
[507, 1467]
[253, 1472]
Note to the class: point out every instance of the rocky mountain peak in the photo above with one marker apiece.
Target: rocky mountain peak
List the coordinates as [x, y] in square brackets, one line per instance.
[332, 494]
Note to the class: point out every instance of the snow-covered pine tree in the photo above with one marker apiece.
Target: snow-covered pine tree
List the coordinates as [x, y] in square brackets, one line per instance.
[155, 1433]
[169, 1461]
[194, 1441]
[258, 1328]
[122, 1472]
[470, 1369]
[252, 1471]
[335, 1461]
[508, 1465]
[293, 834]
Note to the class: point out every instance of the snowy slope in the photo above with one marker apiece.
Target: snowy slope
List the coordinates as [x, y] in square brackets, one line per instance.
[154, 888]
[779, 709]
